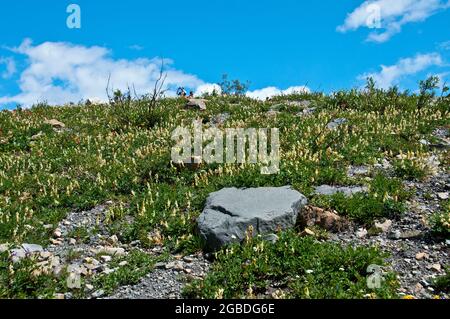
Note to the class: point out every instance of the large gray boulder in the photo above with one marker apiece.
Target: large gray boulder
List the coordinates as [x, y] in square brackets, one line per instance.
[230, 212]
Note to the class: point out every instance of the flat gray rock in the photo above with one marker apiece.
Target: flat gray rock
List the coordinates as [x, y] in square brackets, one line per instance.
[347, 190]
[336, 123]
[230, 212]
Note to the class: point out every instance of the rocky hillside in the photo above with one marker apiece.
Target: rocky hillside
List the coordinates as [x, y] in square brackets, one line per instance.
[92, 206]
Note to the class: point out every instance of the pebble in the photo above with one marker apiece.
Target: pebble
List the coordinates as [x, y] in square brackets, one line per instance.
[384, 227]
[396, 234]
[113, 251]
[421, 256]
[113, 239]
[362, 233]
[160, 265]
[123, 263]
[73, 281]
[409, 234]
[175, 265]
[57, 233]
[188, 259]
[443, 196]
[3, 248]
[307, 232]
[106, 258]
[436, 267]
[98, 293]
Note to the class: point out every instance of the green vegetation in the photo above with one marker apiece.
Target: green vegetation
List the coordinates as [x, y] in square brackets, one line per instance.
[385, 199]
[440, 222]
[18, 281]
[300, 267]
[442, 283]
[129, 270]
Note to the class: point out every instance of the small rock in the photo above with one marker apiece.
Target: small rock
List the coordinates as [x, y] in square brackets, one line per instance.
[176, 265]
[307, 232]
[410, 234]
[56, 242]
[396, 234]
[55, 123]
[89, 287]
[135, 243]
[336, 123]
[32, 248]
[106, 258]
[421, 256]
[384, 227]
[59, 296]
[348, 191]
[436, 267]
[443, 196]
[74, 280]
[57, 233]
[108, 271]
[72, 241]
[45, 254]
[113, 240]
[273, 238]
[361, 233]
[68, 295]
[197, 103]
[160, 265]
[112, 251]
[188, 259]
[4, 247]
[357, 170]
[418, 288]
[123, 263]
[98, 294]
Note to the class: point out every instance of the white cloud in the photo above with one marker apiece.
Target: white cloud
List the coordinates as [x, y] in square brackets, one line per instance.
[393, 14]
[271, 91]
[391, 75]
[62, 72]
[208, 88]
[10, 67]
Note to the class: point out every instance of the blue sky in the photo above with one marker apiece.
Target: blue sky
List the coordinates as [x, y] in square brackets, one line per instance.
[277, 45]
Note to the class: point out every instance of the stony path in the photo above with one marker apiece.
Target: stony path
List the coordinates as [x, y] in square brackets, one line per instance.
[167, 280]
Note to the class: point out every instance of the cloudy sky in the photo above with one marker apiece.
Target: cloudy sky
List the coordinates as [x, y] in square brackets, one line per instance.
[279, 46]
